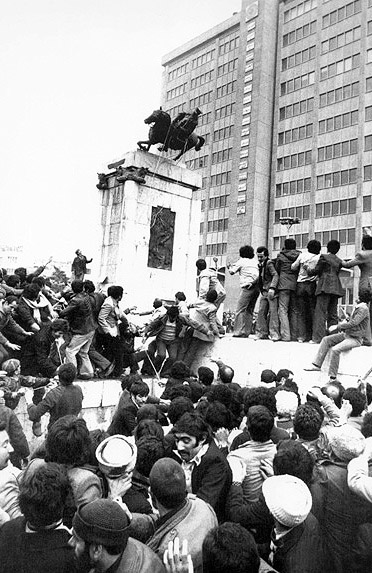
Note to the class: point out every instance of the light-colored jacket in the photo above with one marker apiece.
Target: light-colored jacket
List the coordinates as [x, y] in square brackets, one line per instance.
[9, 491]
[204, 314]
[192, 522]
[109, 316]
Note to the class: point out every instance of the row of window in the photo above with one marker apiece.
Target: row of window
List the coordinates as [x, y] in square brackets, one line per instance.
[221, 178]
[337, 178]
[300, 9]
[202, 79]
[298, 58]
[197, 162]
[338, 150]
[177, 91]
[292, 161]
[217, 202]
[227, 67]
[295, 134]
[339, 94]
[205, 118]
[216, 249]
[341, 40]
[293, 187]
[344, 236]
[174, 111]
[297, 83]
[226, 89]
[177, 72]
[299, 33]
[201, 100]
[231, 44]
[338, 121]
[333, 208]
[344, 65]
[225, 110]
[301, 241]
[223, 155]
[217, 225]
[297, 108]
[202, 59]
[223, 133]
[344, 12]
[302, 212]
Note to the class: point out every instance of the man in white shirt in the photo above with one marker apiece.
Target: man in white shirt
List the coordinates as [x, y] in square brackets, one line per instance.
[247, 267]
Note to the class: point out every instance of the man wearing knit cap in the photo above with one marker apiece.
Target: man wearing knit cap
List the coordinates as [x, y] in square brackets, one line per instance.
[101, 542]
[296, 541]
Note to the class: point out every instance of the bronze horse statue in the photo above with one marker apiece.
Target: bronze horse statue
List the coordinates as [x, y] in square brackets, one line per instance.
[177, 134]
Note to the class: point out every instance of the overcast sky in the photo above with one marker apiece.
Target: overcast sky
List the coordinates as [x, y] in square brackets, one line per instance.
[78, 78]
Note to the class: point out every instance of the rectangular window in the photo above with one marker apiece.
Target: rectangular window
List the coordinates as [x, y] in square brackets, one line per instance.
[367, 203]
[368, 143]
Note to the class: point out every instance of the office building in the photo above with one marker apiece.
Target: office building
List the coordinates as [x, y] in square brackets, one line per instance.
[229, 73]
[322, 138]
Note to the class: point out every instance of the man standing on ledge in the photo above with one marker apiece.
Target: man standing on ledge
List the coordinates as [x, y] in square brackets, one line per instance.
[79, 266]
[247, 267]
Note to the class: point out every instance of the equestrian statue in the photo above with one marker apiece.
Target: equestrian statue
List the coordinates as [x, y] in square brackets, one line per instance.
[177, 134]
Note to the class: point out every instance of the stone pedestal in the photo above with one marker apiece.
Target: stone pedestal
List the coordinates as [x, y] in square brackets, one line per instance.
[150, 227]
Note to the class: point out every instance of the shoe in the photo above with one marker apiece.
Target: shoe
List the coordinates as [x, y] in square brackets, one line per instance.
[276, 339]
[240, 336]
[312, 368]
[300, 340]
[257, 337]
[313, 342]
[36, 429]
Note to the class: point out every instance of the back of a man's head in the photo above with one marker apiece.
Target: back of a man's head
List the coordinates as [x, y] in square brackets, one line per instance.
[218, 416]
[226, 373]
[260, 422]
[260, 396]
[333, 246]
[150, 449]
[67, 374]
[307, 422]
[68, 441]
[77, 286]
[293, 459]
[230, 548]
[178, 407]
[168, 483]
[290, 244]
[357, 400]
[42, 495]
[206, 375]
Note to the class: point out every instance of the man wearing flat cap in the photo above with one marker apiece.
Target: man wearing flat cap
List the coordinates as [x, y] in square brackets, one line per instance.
[101, 542]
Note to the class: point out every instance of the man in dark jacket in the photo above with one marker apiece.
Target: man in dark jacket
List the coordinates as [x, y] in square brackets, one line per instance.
[79, 314]
[286, 284]
[328, 290]
[79, 265]
[50, 347]
[208, 474]
[9, 327]
[267, 318]
[66, 399]
[38, 540]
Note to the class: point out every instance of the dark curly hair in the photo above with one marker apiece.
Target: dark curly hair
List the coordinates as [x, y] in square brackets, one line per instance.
[220, 393]
[293, 459]
[43, 494]
[193, 424]
[150, 449]
[356, 399]
[148, 428]
[178, 407]
[260, 396]
[179, 370]
[230, 547]
[218, 416]
[246, 252]
[68, 442]
[367, 425]
[307, 422]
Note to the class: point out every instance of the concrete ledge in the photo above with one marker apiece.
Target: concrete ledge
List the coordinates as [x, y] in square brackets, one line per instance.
[248, 358]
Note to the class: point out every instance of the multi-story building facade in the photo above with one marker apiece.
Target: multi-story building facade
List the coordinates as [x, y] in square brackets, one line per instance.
[322, 137]
[229, 73]
[285, 88]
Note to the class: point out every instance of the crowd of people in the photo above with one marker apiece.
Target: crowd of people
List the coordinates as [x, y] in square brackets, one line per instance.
[212, 476]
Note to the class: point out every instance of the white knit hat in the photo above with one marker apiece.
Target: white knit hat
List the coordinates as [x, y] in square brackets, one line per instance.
[288, 499]
[116, 455]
